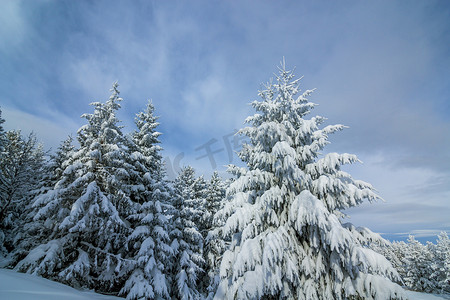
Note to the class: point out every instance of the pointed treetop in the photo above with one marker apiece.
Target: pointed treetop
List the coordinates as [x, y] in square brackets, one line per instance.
[114, 99]
[1, 119]
[2, 131]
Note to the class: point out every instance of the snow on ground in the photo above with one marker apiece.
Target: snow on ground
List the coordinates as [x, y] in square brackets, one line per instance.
[19, 286]
[424, 296]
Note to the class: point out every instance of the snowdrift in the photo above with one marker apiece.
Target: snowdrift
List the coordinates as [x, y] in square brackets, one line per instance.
[20, 286]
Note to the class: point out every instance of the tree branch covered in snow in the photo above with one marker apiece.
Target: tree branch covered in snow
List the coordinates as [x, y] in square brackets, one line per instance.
[283, 211]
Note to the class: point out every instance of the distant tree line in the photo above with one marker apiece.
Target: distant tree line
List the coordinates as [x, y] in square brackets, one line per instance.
[423, 268]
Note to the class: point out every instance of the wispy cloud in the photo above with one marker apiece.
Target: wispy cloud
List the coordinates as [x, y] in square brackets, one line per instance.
[50, 131]
[381, 68]
[13, 27]
[420, 233]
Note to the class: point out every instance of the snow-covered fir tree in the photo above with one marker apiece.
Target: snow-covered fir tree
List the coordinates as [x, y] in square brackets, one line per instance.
[417, 266]
[215, 194]
[199, 201]
[50, 172]
[187, 239]
[60, 160]
[146, 158]
[395, 252]
[89, 233]
[284, 211]
[34, 232]
[441, 263]
[53, 172]
[2, 132]
[214, 244]
[16, 172]
[3, 250]
[21, 163]
[149, 243]
[423, 268]
[27, 233]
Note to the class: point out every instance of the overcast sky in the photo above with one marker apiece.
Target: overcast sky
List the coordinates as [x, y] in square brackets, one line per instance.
[380, 67]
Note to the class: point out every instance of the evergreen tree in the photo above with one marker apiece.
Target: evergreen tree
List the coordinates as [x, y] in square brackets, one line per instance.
[34, 232]
[187, 239]
[396, 254]
[399, 251]
[284, 209]
[2, 133]
[214, 244]
[15, 165]
[424, 268]
[26, 232]
[199, 201]
[60, 160]
[146, 145]
[149, 243]
[441, 263]
[84, 248]
[215, 194]
[41, 229]
[20, 170]
[417, 267]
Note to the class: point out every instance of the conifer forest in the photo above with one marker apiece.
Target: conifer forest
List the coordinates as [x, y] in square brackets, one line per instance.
[100, 212]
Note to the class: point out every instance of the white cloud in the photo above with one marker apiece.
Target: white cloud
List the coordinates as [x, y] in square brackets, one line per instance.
[419, 233]
[89, 74]
[373, 66]
[208, 106]
[49, 131]
[13, 27]
[407, 206]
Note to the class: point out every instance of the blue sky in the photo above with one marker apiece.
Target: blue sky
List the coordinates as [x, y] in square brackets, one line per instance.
[380, 67]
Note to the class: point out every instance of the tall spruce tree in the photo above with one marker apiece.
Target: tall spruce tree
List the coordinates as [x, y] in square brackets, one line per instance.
[199, 201]
[26, 233]
[60, 160]
[187, 239]
[34, 232]
[21, 165]
[2, 133]
[395, 252]
[214, 244]
[417, 267]
[215, 194]
[85, 204]
[16, 173]
[3, 250]
[284, 210]
[41, 229]
[149, 243]
[441, 263]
